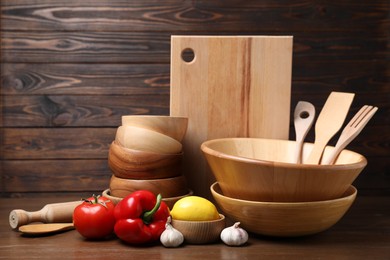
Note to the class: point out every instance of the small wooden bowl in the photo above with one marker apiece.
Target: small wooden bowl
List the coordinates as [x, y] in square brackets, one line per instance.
[167, 187]
[147, 140]
[263, 170]
[200, 232]
[136, 164]
[171, 126]
[169, 201]
[284, 219]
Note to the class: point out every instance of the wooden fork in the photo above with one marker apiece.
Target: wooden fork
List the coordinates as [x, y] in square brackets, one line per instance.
[354, 127]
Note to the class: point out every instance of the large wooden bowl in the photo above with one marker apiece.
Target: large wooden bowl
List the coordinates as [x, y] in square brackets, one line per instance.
[172, 126]
[200, 232]
[284, 219]
[170, 201]
[263, 170]
[167, 187]
[146, 140]
[136, 164]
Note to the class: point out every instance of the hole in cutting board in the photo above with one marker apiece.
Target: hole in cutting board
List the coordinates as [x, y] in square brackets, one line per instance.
[188, 55]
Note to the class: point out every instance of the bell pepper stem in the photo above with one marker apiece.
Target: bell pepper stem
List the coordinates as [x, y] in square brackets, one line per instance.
[147, 217]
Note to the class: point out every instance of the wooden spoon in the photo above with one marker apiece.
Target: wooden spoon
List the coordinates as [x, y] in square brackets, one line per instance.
[353, 129]
[304, 114]
[40, 229]
[329, 122]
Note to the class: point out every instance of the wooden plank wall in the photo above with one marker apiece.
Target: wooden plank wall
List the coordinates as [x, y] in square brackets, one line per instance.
[70, 69]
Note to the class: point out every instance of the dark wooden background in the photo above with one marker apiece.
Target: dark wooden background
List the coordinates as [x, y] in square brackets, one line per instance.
[70, 69]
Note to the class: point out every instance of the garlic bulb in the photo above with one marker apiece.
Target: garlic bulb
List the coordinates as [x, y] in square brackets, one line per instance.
[171, 237]
[234, 235]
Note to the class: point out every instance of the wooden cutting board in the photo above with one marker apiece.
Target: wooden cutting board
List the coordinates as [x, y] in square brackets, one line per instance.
[228, 86]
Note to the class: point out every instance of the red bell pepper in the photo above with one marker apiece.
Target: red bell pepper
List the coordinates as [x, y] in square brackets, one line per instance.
[140, 217]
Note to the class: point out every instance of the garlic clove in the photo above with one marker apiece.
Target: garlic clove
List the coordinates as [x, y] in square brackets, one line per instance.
[234, 235]
[171, 237]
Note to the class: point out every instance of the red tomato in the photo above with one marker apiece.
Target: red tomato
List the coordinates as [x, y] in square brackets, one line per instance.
[94, 218]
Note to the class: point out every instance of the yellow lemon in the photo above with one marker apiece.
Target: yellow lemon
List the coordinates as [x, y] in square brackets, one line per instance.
[194, 208]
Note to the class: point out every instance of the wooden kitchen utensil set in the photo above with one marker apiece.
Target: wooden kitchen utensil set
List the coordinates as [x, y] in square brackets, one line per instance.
[329, 122]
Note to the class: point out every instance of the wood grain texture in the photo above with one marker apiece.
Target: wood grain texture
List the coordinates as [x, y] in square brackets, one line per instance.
[56, 175]
[52, 143]
[152, 47]
[194, 15]
[71, 68]
[86, 79]
[61, 110]
[105, 47]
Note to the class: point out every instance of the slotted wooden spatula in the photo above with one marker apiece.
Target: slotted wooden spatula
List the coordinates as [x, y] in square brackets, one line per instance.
[329, 122]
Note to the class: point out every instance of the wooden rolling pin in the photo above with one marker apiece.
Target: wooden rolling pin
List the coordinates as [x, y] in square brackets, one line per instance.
[50, 213]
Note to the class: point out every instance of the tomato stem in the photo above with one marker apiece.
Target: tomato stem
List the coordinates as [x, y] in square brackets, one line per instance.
[96, 200]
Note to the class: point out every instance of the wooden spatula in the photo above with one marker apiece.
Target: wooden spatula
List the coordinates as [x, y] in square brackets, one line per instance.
[329, 122]
[40, 229]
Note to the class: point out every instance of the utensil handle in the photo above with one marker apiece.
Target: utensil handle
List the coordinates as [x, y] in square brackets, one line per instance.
[331, 157]
[298, 152]
[50, 213]
[316, 153]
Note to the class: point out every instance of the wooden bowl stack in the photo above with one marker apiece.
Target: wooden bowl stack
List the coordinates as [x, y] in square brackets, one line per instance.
[260, 185]
[146, 155]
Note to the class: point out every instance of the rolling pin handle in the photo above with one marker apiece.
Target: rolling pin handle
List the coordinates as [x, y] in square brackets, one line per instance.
[19, 217]
[50, 213]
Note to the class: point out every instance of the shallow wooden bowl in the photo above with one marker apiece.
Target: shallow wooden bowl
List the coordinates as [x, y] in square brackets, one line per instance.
[146, 140]
[200, 232]
[169, 201]
[172, 126]
[167, 187]
[262, 170]
[284, 219]
[136, 164]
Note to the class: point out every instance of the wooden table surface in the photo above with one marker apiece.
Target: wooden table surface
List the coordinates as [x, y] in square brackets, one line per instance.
[363, 233]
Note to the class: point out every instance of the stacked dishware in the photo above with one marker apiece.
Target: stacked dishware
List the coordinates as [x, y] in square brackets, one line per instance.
[290, 188]
[260, 185]
[146, 155]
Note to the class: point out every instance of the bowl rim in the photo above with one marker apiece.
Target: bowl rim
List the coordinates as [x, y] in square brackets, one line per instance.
[157, 116]
[221, 218]
[168, 179]
[189, 193]
[150, 153]
[349, 194]
[151, 132]
[207, 150]
[108, 192]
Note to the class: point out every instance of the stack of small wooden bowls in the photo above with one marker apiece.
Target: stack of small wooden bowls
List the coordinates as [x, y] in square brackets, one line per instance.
[146, 155]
